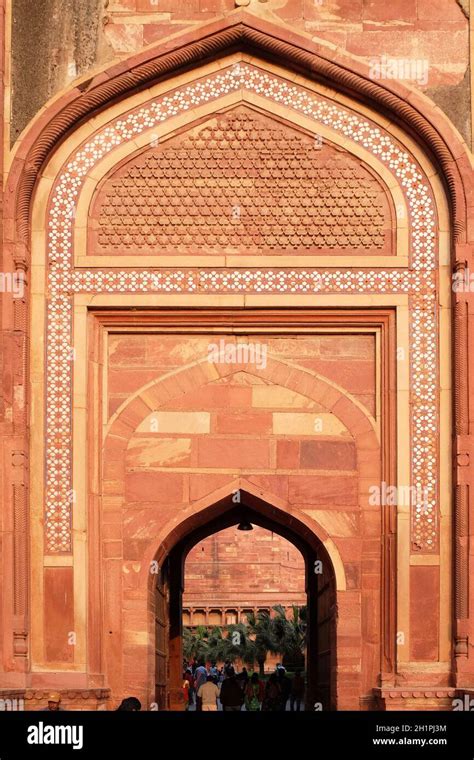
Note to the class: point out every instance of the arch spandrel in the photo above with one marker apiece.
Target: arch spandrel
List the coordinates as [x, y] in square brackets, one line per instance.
[338, 71]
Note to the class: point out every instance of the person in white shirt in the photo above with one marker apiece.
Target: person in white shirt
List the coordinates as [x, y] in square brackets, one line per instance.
[208, 693]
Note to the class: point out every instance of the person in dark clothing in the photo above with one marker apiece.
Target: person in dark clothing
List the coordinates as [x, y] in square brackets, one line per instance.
[243, 679]
[231, 696]
[285, 686]
[280, 670]
[272, 698]
[130, 704]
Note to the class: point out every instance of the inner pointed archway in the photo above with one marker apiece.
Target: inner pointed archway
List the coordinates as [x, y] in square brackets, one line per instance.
[244, 606]
[320, 587]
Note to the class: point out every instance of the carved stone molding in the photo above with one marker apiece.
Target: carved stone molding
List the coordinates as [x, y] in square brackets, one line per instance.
[461, 394]
[461, 646]
[414, 698]
[71, 699]
[74, 699]
[20, 644]
[417, 281]
[461, 520]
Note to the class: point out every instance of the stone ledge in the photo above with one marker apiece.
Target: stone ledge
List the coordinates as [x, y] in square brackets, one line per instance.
[74, 699]
[415, 698]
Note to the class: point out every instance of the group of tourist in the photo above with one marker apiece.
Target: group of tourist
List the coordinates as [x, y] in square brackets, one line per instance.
[207, 687]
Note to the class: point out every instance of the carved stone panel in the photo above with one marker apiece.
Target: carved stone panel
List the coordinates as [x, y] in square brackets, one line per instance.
[242, 184]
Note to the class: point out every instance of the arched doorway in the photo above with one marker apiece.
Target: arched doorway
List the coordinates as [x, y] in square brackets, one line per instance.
[320, 584]
[238, 582]
[106, 581]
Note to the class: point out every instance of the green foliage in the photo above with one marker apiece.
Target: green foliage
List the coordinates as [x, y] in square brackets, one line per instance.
[251, 641]
[240, 644]
[195, 643]
[291, 634]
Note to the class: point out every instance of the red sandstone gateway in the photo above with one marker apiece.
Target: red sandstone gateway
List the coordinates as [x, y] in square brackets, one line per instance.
[236, 249]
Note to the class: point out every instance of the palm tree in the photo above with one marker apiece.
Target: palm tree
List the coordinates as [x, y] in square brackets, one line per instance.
[262, 632]
[253, 640]
[195, 643]
[240, 644]
[216, 645]
[290, 634]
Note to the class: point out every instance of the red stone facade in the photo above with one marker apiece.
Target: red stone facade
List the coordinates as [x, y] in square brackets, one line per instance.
[234, 254]
[438, 29]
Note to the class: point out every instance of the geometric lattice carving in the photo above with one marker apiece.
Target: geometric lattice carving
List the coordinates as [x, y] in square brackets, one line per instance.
[241, 184]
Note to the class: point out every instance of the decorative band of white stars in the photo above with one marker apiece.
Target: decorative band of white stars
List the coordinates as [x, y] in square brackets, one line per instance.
[418, 281]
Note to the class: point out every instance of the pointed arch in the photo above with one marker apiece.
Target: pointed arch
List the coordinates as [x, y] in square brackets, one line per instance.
[414, 114]
[307, 382]
[271, 507]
